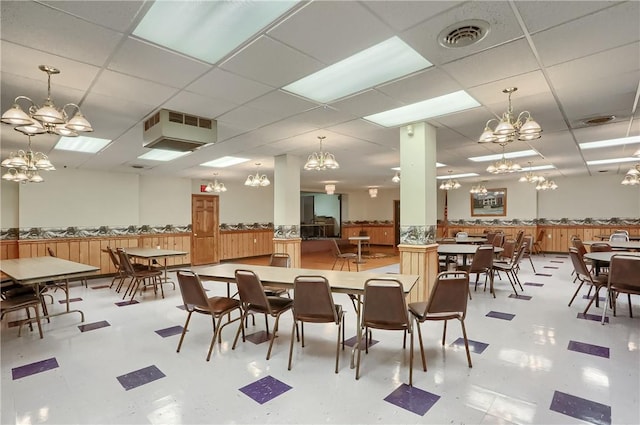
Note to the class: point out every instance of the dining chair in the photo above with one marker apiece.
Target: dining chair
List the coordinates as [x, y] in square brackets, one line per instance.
[584, 276]
[537, 244]
[490, 236]
[278, 259]
[195, 300]
[384, 307]
[448, 300]
[619, 237]
[498, 240]
[528, 249]
[624, 273]
[483, 263]
[511, 269]
[254, 300]
[345, 257]
[138, 277]
[313, 303]
[446, 259]
[22, 300]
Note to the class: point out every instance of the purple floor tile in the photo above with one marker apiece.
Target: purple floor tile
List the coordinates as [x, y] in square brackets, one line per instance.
[474, 346]
[587, 297]
[499, 315]
[173, 330]
[125, 303]
[101, 287]
[140, 377]
[544, 274]
[412, 399]
[594, 350]
[259, 337]
[351, 342]
[265, 389]
[581, 408]
[93, 326]
[520, 297]
[533, 284]
[594, 317]
[33, 368]
[561, 256]
[71, 300]
[181, 307]
[549, 267]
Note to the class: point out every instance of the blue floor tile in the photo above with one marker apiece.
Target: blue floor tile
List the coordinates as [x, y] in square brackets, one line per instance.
[265, 389]
[140, 377]
[33, 368]
[581, 408]
[412, 399]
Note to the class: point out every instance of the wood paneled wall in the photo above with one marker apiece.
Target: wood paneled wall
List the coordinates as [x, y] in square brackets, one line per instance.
[380, 234]
[245, 243]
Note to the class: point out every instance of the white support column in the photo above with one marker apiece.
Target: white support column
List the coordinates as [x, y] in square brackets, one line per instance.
[286, 206]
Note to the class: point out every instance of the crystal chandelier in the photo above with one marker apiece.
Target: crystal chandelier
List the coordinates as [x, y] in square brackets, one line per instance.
[46, 118]
[530, 177]
[510, 128]
[321, 160]
[450, 184]
[546, 185]
[215, 187]
[503, 165]
[24, 166]
[396, 178]
[478, 190]
[257, 180]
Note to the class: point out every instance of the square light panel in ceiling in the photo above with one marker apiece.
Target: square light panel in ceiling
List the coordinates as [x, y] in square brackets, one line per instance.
[386, 61]
[162, 155]
[420, 111]
[207, 30]
[82, 144]
[609, 143]
[225, 161]
[509, 155]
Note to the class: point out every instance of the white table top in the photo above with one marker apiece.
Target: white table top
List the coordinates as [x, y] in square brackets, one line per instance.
[462, 248]
[359, 238]
[40, 269]
[153, 253]
[617, 244]
[340, 281]
[606, 255]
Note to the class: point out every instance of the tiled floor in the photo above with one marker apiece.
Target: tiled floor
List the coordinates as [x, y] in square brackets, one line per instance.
[535, 360]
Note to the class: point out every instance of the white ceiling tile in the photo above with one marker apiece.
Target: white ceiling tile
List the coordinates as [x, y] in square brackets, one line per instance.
[247, 118]
[100, 12]
[282, 103]
[367, 103]
[227, 86]
[401, 14]
[427, 84]
[553, 13]
[122, 86]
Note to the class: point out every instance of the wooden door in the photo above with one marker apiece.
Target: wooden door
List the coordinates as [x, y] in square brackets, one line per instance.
[204, 225]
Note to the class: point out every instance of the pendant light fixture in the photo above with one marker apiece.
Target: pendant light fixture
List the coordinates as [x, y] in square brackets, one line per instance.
[257, 180]
[24, 166]
[510, 127]
[320, 161]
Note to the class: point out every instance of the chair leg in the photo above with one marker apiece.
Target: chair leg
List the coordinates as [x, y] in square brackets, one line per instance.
[340, 321]
[216, 333]
[38, 320]
[184, 331]
[444, 332]
[411, 356]
[243, 317]
[293, 329]
[358, 354]
[466, 342]
[275, 332]
[576, 293]
[424, 361]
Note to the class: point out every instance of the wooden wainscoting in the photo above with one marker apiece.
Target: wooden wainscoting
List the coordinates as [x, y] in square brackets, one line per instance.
[245, 243]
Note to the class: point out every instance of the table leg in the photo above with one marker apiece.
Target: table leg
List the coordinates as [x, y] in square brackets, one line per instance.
[67, 309]
[359, 261]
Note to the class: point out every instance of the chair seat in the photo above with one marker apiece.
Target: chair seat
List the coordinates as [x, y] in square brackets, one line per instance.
[320, 318]
[221, 304]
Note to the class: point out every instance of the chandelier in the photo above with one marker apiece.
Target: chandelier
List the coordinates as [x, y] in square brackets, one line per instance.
[24, 166]
[530, 177]
[396, 178]
[215, 186]
[330, 189]
[546, 185]
[46, 118]
[632, 177]
[321, 160]
[257, 180]
[450, 184]
[479, 190]
[510, 128]
[503, 165]
[373, 192]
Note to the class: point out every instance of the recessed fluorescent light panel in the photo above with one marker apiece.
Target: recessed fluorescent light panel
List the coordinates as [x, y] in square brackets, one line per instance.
[391, 59]
[207, 30]
[510, 155]
[609, 143]
[457, 176]
[81, 144]
[611, 161]
[225, 161]
[162, 155]
[430, 108]
[438, 165]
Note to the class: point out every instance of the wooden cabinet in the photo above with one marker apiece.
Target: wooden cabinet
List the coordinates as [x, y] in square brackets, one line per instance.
[245, 243]
[379, 234]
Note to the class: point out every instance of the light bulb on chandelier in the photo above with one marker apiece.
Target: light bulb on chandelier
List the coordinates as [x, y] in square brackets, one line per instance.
[503, 166]
[321, 160]
[510, 127]
[24, 166]
[450, 184]
[396, 178]
[478, 190]
[215, 187]
[257, 180]
[530, 177]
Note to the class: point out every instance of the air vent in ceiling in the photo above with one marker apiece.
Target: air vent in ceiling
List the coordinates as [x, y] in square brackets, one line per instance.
[176, 131]
[463, 34]
[598, 120]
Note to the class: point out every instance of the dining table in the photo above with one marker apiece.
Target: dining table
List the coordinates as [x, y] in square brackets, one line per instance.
[621, 245]
[468, 239]
[37, 271]
[359, 239]
[150, 254]
[603, 258]
[350, 283]
[463, 249]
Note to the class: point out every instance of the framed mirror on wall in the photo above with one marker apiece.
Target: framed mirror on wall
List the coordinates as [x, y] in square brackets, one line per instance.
[490, 204]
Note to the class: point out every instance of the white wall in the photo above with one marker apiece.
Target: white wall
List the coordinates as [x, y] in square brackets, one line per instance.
[9, 204]
[80, 198]
[164, 200]
[361, 207]
[242, 204]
